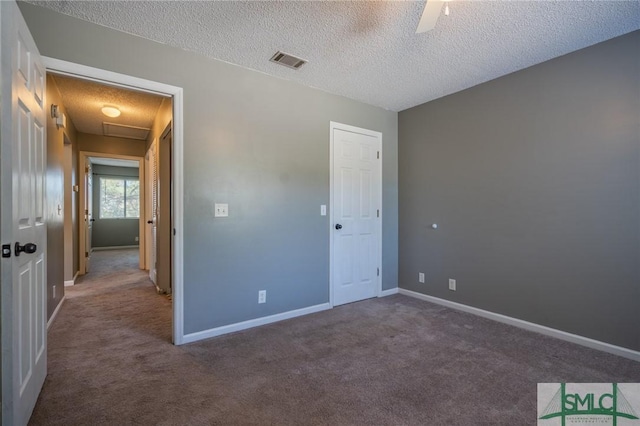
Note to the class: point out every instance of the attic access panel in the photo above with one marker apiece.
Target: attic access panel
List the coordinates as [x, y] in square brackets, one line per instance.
[124, 131]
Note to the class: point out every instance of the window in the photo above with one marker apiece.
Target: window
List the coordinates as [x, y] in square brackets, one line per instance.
[119, 198]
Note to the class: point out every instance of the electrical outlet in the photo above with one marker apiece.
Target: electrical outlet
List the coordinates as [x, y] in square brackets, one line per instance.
[262, 296]
[421, 277]
[452, 284]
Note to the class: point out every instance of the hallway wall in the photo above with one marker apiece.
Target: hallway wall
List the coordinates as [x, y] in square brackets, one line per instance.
[59, 204]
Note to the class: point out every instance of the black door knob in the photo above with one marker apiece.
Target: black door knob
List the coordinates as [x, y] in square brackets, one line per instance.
[149, 221]
[338, 226]
[92, 220]
[27, 248]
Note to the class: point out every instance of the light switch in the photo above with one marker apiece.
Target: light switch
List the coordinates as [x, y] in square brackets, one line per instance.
[323, 210]
[221, 210]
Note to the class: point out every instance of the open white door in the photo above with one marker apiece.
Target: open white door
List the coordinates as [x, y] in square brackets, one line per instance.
[24, 257]
[88, 214]
[152, 211]
[356, 188]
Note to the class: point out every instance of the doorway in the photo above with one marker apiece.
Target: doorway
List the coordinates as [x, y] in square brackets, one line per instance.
[175, 94]
[111, 195]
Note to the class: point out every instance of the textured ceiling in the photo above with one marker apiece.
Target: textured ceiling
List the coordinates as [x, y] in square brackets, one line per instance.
[368, 50]
[84, 100]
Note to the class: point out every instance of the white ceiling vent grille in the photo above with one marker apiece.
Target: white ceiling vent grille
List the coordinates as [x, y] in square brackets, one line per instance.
[287, 60]
[127, 132]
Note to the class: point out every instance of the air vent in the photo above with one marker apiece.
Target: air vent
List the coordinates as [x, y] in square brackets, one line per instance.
[288, 60]
[123, 131]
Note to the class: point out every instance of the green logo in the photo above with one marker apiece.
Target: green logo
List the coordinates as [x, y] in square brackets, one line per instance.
[589, 402]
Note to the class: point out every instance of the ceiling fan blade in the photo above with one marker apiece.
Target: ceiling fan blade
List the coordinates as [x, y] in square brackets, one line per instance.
[430, 16]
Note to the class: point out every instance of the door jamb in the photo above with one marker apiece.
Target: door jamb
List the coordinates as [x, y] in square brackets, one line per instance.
[140, 84]
[339, 126]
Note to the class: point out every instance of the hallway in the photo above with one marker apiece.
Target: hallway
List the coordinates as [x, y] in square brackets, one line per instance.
[98, 337]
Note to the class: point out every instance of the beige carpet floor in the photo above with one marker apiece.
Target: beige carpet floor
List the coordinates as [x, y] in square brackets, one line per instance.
[389, 361]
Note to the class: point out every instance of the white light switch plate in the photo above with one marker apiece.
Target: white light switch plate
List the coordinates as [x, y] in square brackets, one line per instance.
[221, 210]
[323, 210]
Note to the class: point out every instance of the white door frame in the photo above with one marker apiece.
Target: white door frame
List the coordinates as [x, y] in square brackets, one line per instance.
[339, 126]
[121, 80]
[82, 158]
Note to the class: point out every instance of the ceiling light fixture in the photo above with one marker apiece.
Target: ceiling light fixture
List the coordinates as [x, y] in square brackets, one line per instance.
[111, 111]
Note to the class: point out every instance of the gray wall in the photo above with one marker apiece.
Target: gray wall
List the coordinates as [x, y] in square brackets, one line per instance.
[534, 181]
[112, 232]
[57, 207]
[70, 172]
[256, 142]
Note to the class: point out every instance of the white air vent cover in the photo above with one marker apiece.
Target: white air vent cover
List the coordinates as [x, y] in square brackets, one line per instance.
[288, 60]
[127, 132]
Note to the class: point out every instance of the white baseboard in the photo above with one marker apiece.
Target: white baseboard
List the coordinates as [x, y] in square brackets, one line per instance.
[547, 331]
[389, 292]
[55, 313]
[218, 331]
[71, 282]
[114, 248]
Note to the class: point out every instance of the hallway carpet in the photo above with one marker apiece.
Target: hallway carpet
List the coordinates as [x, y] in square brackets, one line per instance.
[389, 361]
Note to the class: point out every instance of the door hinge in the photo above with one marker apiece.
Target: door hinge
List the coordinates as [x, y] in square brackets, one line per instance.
[86, 254]
[6, 250]
[86, 169]
[378, 155]
[378, 271]
[174, 232]
[378, 213]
